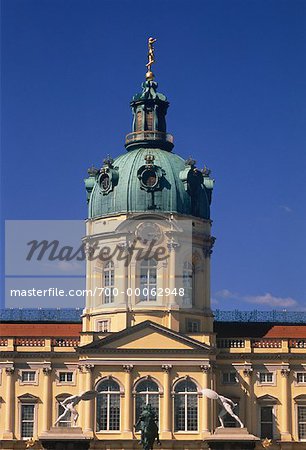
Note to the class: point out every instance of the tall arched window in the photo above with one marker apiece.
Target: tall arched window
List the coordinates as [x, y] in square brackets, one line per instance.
[188, 283]
[148, 278]
[185, 406]
[108, 282]
[108, 406]
[147, 391]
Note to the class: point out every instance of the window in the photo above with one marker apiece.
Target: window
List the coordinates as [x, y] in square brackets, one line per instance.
[302, 422]
[148, 280]
[185, 406]
[139, 121]
[108, 406]
[266, 422]
[27, 420]
[266, 377]
[65, 377]
[28, 376]
[147, 391]
[103, 326]
[188, 283]
[301, 377]
[65, 422]
[229, 421]
[149, 119]
[108, 282]
[192, 325]
[229, 378]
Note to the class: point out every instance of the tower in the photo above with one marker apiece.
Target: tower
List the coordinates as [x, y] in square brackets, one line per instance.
[148, 232]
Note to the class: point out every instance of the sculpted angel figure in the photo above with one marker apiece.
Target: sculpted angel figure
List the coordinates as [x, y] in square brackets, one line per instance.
[69, 405]
[227, 406]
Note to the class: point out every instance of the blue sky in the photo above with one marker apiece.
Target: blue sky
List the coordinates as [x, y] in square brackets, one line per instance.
[234, 72]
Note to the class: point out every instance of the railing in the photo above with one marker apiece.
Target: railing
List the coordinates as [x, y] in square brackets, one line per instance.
[148, 136]
[266, 343]
[230, 343]
[297, 343]
[30, 342]
[3, 342]
[260, 316]
[65, 342]
[73, 315]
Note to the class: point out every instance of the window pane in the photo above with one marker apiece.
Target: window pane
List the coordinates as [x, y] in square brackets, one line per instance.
[192, 412]
[266, 418]
[66, 421]
[27, 420]
[302, 422]
[102, 412]
[267, 430]
[266, 414]
[114, 412]
[179, 412]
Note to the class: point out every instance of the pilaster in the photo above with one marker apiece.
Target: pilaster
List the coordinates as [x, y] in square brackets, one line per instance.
[166, 411]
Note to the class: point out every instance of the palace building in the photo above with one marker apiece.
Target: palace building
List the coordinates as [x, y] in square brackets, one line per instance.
[148, 334]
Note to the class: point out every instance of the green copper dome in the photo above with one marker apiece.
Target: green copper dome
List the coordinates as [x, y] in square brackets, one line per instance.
[149, 177]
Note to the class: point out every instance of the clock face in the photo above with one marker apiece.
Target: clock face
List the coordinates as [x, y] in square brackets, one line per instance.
[148, 232]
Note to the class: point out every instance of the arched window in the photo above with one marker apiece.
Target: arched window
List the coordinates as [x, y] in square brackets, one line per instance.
[185, 406]
[108, 406]
[148, 275]
[188, 283]
[147, 391]
[108, 282]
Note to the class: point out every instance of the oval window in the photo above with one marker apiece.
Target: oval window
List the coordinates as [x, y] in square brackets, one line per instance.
[149, 178]
[104, 182]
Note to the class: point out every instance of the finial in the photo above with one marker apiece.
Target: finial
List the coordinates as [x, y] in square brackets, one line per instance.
[151, 59]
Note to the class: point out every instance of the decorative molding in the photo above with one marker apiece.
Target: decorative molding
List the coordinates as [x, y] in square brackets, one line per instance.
[285, 371]
[9, 370]
[128, 368]
[205, 368]
[166, 368]
[247, 371]
[47, 370]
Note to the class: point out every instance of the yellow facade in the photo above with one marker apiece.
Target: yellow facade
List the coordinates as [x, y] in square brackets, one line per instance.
[150, 351]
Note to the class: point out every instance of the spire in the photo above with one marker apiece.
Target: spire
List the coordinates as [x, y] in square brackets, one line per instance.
[149, 109]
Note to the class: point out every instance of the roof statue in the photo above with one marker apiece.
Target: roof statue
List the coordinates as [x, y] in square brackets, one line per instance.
[151, 58]
[227, 406]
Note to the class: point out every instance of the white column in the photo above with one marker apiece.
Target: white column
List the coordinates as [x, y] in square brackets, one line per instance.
[46, 398]
[9, 404]
[206, 402]
[88, 405]
[167, 410]
[285, 402]
[128, 406]
[250, 406]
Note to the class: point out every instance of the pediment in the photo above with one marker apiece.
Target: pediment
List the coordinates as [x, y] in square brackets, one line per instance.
[146, 336]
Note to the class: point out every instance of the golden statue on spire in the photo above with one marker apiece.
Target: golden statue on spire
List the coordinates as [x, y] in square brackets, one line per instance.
[151, 59]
